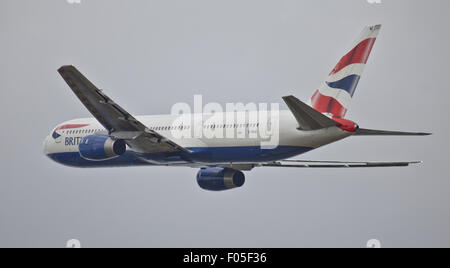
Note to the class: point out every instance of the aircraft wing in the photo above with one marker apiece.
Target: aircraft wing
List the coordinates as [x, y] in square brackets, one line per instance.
[119, 123]
[300, 164]
[335, 164]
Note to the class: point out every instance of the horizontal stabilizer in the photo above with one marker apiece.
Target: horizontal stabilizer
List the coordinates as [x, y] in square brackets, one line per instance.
[373, 132]
[307, 117]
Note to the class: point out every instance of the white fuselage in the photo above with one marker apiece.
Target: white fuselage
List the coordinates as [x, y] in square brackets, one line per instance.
[212, 139]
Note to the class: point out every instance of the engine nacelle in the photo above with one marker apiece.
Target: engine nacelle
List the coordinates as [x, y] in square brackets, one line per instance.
[101, 147]
[220, 179]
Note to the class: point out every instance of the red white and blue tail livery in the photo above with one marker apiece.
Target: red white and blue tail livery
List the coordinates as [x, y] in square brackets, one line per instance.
[335, 94]
[115, 138]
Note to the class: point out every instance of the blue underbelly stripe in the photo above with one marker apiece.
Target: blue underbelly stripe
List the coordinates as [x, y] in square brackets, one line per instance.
[202, 155]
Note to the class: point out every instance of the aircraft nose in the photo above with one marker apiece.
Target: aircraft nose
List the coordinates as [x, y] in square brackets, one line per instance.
[46, 145]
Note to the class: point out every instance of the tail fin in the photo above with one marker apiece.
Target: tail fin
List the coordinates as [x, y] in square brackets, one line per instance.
[334, 95]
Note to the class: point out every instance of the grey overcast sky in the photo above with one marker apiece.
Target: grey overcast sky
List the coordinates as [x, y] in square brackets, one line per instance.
[148, 55]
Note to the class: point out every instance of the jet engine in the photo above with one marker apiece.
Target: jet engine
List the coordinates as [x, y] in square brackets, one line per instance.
[101, 147]
[220, 179]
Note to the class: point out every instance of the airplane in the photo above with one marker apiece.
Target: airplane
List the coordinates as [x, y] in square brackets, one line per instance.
[115, 138]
